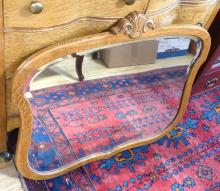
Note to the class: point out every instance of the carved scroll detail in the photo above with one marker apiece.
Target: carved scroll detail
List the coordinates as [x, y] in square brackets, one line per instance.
[134, 24]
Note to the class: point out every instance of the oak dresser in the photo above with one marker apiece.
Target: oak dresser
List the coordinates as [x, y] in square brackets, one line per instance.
[28, 26]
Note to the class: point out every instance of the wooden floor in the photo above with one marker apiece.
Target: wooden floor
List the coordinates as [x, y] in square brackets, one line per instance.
[9, 180]
[63, 72]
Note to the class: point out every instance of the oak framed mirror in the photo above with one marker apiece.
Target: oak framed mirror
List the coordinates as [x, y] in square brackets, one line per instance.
[75, 123]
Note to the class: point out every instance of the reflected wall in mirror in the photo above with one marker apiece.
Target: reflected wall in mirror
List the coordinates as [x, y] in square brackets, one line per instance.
[91, 104]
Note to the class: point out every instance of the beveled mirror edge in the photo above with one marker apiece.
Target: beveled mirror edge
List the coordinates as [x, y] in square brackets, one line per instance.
[81, 44]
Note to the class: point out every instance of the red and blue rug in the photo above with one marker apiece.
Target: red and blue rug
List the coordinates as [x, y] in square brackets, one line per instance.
[188, 158]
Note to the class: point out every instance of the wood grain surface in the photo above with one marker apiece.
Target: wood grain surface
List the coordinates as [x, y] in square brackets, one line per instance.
[3, 137]
[58, 13]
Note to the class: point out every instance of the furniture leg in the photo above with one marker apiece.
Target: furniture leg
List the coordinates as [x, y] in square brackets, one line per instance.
[95, 55]
[79, 63]
[5, 156]
[3, 124]
[3, 131]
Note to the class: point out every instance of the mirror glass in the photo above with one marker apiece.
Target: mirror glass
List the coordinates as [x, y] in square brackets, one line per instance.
[91, 102]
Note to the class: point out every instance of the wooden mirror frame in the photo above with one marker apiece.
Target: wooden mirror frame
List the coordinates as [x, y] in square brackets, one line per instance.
[44, 56]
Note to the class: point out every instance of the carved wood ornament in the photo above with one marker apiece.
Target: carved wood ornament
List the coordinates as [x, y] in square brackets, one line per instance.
[134, 24]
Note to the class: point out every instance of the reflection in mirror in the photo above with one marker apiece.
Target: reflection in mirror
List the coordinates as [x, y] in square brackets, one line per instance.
[130, 92]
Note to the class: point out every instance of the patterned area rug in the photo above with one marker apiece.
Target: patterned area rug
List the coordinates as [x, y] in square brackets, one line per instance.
[188, 158]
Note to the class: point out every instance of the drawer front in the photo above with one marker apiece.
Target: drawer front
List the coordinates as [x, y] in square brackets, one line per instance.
[214, 62]
[56, 13]
[206, 82]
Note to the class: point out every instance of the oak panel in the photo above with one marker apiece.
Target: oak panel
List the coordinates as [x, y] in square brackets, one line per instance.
[56, 12]
[3, 137]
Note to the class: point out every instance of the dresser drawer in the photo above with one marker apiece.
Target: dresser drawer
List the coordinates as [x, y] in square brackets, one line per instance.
[206, 82]
[215, 62]
[58, 12]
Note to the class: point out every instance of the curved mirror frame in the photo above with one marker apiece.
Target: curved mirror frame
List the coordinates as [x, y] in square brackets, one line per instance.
[93, 42]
